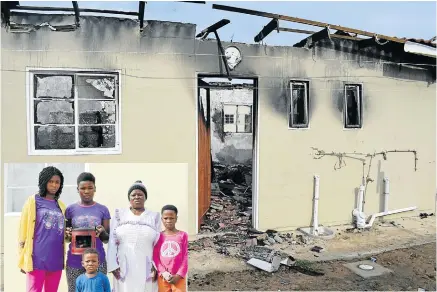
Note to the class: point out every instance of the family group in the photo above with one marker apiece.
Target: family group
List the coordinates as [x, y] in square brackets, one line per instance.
[145, 251]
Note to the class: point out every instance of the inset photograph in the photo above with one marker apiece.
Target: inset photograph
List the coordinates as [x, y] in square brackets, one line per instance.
[120, 226]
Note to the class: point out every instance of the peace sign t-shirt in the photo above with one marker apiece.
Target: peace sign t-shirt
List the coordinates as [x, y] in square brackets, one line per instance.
[171, 254]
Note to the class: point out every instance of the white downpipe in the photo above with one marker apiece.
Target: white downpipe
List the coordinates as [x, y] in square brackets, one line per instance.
[386, 193]
[315, 230]
[372, 218]
[360, 199]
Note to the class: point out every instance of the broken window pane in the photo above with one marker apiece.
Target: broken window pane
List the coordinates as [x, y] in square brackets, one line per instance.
[96, 136]
[229, 119]
[53, 86]
[54, 112]
[96, 87]
[299, 105]
[54, 137]
[352, 107]
[96, 112]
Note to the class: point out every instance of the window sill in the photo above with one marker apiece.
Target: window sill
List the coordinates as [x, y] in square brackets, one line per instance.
[74, 152]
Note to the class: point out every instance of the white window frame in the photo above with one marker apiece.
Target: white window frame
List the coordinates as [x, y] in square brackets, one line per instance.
[30, 72]
[291, 124]
[236, 117]
[360, 105]
[5, 187]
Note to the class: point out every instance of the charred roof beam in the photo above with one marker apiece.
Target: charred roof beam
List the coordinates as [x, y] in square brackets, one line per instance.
[216, 26]
[333, 35]
[213, 28]
[142, 7]
[271, 26]
[310, 41]
[6, 7]
[303, 21]
[76, 13]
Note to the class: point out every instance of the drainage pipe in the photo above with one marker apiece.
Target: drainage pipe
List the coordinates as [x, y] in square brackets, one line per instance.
[360, 202]
[386, 193]
[315, 230]
[372, 218]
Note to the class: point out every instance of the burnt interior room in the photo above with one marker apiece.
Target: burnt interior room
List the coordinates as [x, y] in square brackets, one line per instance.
[228, 109]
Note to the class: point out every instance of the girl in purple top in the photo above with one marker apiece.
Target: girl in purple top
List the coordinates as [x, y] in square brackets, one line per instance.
[47, 255]
[86, 214]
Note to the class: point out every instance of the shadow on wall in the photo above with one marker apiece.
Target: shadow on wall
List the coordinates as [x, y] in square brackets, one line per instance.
[229, 155]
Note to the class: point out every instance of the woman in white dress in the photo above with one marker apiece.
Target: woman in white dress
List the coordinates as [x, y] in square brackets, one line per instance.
[134, 233]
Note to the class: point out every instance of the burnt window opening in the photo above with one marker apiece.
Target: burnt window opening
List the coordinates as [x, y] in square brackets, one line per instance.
[75, 111]
[299, 104]
[237, 118]
[229, 119]
[353, 106]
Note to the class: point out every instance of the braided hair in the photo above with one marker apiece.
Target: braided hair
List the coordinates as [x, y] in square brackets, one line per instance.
[44, 177]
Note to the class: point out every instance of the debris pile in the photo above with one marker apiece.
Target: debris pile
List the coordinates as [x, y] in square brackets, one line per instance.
[229, 220]
[248, 241]
[231, 200]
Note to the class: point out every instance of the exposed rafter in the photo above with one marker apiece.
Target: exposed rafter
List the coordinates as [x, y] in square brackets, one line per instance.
[333, 35]
[6, 7]
[204, 33]
[271, 26]
[76, 13]
[142, 7]
[310, 41]
[306, 21]
[213, 28]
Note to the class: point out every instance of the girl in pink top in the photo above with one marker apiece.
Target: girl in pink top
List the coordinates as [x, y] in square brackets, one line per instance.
[170, 254]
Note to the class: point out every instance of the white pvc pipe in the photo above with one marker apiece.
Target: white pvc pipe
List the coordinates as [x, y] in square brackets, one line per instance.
[386, 193]
[372, 218]
[316, 205]
[360, 199]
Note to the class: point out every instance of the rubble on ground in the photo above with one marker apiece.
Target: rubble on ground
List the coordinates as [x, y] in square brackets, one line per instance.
[231, 200]
[229, 218]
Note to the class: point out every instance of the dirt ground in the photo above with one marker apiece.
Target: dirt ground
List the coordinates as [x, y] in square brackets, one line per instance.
[412, 268]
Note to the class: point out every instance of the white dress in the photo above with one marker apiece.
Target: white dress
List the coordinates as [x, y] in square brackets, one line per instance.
[130, 248]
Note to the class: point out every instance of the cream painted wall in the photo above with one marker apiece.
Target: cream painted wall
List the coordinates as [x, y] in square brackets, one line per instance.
[166, 184]
[148, 135]
[159, 113]
[398, 115]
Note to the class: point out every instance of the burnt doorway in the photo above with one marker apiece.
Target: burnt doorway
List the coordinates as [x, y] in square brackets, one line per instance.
[227, 148]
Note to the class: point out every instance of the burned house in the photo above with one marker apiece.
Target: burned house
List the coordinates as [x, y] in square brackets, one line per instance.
[352, 110]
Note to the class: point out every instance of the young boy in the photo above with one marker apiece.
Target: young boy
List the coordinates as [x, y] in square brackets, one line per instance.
[170, 253]
[92, 281]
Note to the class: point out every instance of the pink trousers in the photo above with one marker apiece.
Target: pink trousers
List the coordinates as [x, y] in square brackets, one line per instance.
[37, 279]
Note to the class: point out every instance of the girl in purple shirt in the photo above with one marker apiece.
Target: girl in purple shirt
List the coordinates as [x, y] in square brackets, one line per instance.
[86, 214]
[47, 258]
